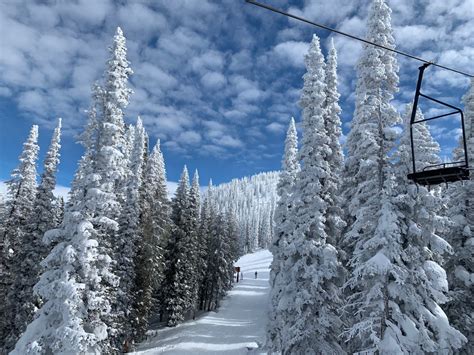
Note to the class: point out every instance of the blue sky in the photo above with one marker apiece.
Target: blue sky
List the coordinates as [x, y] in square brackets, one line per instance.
[216, 81]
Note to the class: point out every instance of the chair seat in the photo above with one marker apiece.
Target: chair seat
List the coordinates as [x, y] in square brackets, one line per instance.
[439, 176]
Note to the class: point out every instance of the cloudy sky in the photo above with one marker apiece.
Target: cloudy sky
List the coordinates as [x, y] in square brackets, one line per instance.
[217, 81]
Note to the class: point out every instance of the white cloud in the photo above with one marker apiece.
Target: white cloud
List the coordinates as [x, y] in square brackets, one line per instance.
[275, 127]
[228, 141]
[291, 52]
[190, 137]
[412, 36]
[213, 80]
[327, 11]
[210, 60]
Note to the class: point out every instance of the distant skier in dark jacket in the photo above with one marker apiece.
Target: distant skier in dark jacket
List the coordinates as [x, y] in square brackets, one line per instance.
[255, 274]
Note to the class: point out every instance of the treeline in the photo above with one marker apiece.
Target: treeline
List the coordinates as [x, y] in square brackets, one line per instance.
[365, 261]
[89, 276]
[252, 200]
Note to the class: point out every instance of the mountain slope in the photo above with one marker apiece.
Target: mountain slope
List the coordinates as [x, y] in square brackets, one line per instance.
[237, 327]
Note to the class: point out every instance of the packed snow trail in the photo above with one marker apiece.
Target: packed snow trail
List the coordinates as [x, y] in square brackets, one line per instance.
[238, 326]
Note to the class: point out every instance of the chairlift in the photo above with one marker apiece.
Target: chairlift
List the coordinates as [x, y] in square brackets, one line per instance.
[437, 173]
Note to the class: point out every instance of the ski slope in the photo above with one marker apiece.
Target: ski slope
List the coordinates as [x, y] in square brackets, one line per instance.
[238, 327]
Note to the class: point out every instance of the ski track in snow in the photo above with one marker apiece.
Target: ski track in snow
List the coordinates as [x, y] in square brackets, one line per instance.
[238, 326]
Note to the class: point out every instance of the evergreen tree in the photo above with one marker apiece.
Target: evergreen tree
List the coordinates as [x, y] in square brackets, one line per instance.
[58, 211]
[20, 206]
[367, 169]
[403, 275]
[460, 265]
[3, 211]
[290, 169]
[334, 215]
[130, 234]
[178, 281]
[155, 226]
[111, 171]
[310, 296]
[218, 233]
[76, 274]
[204, 249]
[21, 299]
[264, 228]
[372, 135]
[194, 211]
[232, 235]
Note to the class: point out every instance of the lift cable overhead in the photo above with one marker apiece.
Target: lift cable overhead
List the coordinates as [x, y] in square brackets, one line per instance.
[273, 9]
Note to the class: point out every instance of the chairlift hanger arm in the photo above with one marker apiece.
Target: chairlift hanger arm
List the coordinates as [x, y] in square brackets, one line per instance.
[281, 12]
[435, 117]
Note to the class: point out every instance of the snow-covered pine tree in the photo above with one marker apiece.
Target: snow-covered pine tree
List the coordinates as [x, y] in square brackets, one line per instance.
[111, 168]
[58, 211]
[129, 138]
[3, 211]
[130, 233]
[232, 235]
[21, 300]
[332, 184]
[177, 300]
[222, 270]
[460, 267]
[194, 214]
[310, 297]
[155, 227]
[207, 214]
[212, 227]
[20, 206]
[371, 139]
[371, 136]
[403, 275]
[290, 168]
[76, 275]
[265, 226]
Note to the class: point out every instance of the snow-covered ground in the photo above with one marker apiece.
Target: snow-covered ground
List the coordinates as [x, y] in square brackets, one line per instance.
[236, 328]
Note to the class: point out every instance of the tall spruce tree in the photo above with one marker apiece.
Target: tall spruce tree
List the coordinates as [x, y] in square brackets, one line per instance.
[111, 170]
[460, 266]
[290, 169]
[195, 211]
[332, 184]
[403, 275]
[78, 269]
[76, 274]
[310, 297]
[130, 233]
[22, 190]
[21, 299]
[204, 249]
[367, 169]
[155, 227]
[178, 280]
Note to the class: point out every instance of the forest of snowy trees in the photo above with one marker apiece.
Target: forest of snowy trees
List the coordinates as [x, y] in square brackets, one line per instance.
[252, 200]
[88, 276]
[364, 261]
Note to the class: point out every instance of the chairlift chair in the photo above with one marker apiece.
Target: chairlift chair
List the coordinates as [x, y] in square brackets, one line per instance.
[437, 173]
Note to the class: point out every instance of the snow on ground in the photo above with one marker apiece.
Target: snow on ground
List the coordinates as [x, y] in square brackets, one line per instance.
[236, 328]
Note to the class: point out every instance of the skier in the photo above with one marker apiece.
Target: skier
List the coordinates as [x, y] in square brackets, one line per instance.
[255, 274]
